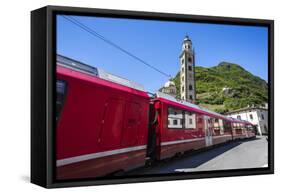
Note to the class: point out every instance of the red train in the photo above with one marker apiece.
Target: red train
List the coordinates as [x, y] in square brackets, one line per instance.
[107, 124]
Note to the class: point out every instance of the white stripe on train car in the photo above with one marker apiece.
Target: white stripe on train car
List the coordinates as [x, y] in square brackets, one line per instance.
[221, 136]
[181, 141]
[85, 157]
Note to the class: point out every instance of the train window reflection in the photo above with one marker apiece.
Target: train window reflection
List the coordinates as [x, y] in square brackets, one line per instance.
[181, 119]
[175, 117]
[61, 90]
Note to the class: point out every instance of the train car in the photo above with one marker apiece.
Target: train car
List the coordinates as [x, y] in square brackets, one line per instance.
[238, 129]
[102, 122]
[182, 126]
[250, 130]
[242, 129]
[246, 129]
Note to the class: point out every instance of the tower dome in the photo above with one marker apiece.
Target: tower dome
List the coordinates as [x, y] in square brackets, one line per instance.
[169, 88]
[186, 38]
[169, 84]
[187, 44]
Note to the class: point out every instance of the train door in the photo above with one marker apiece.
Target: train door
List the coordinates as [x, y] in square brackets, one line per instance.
[131, 124]
[246, 130]
[153, 142]
[112, 124]
[208, 131]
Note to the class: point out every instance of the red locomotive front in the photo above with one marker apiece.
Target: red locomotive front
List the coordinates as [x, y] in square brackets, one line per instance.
[102, 122]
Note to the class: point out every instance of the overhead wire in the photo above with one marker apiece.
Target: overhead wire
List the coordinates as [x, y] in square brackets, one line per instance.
[98, 35]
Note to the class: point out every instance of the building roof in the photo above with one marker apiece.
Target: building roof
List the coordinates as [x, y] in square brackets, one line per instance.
[246, 109]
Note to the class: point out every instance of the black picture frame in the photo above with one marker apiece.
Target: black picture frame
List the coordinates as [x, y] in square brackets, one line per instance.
[43, 60]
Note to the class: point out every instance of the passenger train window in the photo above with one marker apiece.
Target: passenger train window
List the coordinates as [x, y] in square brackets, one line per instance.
[218, 125]
[61, 90]
[226, 125]
[175, 117]
[190, 119]
[181, 119]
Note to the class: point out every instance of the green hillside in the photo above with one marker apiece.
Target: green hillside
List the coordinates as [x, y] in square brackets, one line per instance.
[227, 87]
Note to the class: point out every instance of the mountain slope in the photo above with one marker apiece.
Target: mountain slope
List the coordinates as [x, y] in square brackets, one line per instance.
[227, 87]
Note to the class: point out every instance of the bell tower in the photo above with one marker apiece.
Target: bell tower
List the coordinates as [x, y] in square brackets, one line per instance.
[187, 71]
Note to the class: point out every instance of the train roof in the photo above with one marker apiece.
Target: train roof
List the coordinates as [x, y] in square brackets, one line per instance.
[197, 108]
[96, 72]
[239, 121]
[188, 104]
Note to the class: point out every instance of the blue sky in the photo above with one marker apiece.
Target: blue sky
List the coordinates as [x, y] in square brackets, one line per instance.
[159, 43]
